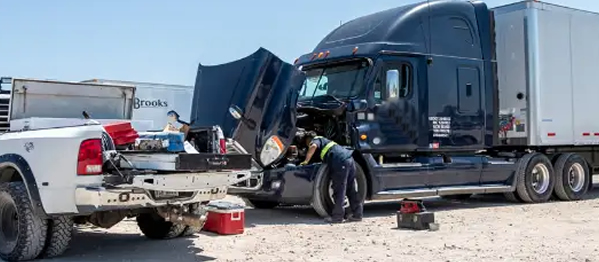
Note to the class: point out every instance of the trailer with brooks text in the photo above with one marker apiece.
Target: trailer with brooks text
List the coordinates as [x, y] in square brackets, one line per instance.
[439, 98]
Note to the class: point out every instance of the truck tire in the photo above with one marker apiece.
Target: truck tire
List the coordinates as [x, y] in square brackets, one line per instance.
[512, 197]
[22, 236]
[572, 177]
[153, 226]
[58, 237]
[189, 230]
[322, 202]
[261, 204]
[535, 178]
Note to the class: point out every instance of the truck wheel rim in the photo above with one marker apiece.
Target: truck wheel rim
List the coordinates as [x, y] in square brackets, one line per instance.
[576, 177]
[345, 199]
[540, 178]
[9, 226]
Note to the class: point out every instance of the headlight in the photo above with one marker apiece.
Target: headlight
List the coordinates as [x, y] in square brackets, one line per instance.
[272, 149]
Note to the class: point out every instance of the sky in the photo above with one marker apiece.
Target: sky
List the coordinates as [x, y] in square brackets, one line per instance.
[163, 41]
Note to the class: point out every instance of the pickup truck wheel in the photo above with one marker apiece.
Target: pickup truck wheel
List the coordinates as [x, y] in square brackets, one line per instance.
[260, 204]
[60, 232]
[535, 178]
[22, 233]
[572, 177]
[322, 200]
[189, 230]
[153, 226]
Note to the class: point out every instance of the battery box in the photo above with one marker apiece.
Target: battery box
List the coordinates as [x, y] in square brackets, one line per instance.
[225, 218]
[417, 221]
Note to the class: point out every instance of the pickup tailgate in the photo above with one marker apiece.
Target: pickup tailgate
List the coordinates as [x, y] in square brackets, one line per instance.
[183, 162]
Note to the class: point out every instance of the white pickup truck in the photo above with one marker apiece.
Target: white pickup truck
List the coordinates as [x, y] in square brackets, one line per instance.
[53, 177]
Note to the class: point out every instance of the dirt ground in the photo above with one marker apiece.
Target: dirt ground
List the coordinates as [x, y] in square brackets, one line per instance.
[485, 228]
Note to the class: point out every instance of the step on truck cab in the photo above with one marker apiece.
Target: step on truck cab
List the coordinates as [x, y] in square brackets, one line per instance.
[439, 98]
[65, 171]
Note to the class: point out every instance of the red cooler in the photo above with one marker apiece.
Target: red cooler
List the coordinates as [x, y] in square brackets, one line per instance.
[225, 218]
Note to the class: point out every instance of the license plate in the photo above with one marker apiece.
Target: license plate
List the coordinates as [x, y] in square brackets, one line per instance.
[165, 194]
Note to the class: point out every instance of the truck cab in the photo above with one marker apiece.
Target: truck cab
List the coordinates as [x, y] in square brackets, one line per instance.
[405, 86]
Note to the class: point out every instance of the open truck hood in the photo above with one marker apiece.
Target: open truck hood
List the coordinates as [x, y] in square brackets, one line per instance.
[266, 90]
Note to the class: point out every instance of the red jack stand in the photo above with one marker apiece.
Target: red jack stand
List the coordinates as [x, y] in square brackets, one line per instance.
[413, 215]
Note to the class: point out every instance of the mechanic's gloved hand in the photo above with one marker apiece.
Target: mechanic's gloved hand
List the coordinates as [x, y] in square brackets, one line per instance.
[304, 163]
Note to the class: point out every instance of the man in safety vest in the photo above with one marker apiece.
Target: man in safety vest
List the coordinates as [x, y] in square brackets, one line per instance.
[342, 170]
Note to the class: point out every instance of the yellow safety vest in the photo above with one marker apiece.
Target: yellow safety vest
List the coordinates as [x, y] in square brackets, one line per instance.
[326, 148]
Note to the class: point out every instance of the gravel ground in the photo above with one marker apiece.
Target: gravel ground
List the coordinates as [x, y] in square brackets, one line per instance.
[484, 228]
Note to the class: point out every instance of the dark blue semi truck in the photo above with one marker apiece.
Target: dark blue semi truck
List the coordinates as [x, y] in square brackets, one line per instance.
[440, 98]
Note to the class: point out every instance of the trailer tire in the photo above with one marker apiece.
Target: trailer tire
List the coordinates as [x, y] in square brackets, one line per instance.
[58, 238]
[26, 234]
[565, 164]
[322, 202]
[153, 226]
[196, 210]
[534, 187]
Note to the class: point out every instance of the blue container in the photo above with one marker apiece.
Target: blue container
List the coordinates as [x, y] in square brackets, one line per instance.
[175, 140]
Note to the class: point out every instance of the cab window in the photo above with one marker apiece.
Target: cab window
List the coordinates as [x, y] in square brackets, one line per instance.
[397, 82]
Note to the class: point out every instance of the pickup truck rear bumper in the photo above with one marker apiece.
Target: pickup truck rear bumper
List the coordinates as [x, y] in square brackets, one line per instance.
[158, 190]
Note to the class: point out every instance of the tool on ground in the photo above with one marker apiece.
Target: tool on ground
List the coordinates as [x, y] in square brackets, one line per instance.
[413, 215]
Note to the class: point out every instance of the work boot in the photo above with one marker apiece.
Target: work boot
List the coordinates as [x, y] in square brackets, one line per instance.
[351, 218]
[331, 220]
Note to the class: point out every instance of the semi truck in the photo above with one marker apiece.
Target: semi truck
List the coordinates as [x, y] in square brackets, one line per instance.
[439, 98]
[80, 163]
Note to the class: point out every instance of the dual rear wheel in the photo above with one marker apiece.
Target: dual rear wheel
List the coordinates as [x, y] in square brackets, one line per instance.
[538, 178]
[24, 235]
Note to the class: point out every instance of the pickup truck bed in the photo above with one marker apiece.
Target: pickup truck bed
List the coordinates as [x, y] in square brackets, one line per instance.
[201, 162]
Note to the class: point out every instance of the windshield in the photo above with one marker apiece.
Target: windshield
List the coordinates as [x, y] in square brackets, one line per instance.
[341, 81]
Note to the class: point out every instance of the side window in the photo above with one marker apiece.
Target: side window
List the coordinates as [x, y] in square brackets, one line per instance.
[398, 81]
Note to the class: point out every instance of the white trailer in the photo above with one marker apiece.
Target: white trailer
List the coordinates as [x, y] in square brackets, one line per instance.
[154, 100]
[546, 57]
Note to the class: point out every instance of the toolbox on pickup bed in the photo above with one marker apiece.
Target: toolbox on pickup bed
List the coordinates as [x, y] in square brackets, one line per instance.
[187, 162]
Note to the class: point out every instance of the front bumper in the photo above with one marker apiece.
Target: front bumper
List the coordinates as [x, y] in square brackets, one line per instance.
[146, 191]
[288, 185]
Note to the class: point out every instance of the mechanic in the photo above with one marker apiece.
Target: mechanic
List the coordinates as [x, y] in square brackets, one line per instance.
[342, 170]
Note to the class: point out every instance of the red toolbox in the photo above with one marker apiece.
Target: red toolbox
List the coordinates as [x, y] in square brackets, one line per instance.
[225, 218]
[121, 132]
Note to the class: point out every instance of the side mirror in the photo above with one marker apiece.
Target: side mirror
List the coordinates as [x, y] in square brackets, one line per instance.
[236, 112]
[392, 83]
